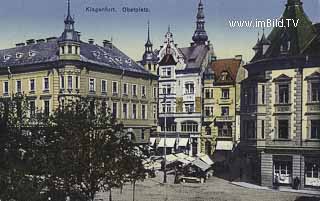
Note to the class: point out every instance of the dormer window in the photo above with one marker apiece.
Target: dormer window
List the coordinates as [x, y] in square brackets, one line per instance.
[19, 55]
[32, 53]
[6, 57]
[224, 76]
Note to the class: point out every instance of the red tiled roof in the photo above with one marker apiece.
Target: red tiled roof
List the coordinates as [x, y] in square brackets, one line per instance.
[231, 66]
[167, 60]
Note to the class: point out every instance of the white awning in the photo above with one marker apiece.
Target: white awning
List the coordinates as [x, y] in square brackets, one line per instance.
[183, 142]
[152, 141]
[169, 142]
[224, 145]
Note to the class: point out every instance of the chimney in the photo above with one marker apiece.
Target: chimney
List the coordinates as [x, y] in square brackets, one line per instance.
[20, 44]
[107, 43]
[30, 41]
[51, 39]
[238, 57]
[41, 41]
[91, 41]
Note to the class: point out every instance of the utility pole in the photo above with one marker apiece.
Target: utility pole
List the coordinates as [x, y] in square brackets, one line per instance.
[165, 139]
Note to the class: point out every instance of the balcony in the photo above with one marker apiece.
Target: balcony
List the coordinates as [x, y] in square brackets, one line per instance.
[189, 97]
[224, 101]
[283, 108]
[225, 118]
[313, 107]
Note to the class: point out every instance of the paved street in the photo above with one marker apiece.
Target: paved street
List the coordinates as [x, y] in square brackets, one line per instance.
[214, 190]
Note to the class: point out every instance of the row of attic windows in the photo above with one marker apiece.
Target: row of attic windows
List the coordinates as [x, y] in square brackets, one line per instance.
[19, 55]
[97, 54]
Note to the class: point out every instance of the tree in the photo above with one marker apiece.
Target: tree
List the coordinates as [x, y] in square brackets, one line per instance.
[88, 149]
[19, 164]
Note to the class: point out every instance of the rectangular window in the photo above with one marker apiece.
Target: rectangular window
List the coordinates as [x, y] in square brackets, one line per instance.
[134, 90]
[166, 90]
[207, 93]
[208, 111]
[124, 111]
[225, 93]
[154, 112]
[166, 72]
[77, 82]
[143, 112]
[189, 107]
[46, 84]
[18, 86]
[154, 92]
[115, 109]
[46, 107]
[225, 130]
[69, 49]
[143, 91]
[61, 82]
[125, 89]
[283, 93]
[315, 92]
[263, 94]
[103, 86]
[250, 129]
[32, 107]
[315, 129]
[134, 111]
[32, 85]
[5, 87]
[92, 86]
[189, 88]
[262, 129]
[70, 83]
[283, 129]
[224, 111]
[115, 87]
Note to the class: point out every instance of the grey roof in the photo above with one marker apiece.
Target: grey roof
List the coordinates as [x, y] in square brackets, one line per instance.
[194, 55]
[202, 165]
[43, 52]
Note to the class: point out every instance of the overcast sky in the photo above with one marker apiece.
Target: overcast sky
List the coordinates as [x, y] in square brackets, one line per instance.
[21, 20]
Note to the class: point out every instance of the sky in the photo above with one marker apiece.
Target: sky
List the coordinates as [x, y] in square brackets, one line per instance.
[21, 20]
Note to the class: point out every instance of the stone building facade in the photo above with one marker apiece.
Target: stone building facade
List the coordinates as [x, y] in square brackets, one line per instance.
[51, 71]
[280, 106]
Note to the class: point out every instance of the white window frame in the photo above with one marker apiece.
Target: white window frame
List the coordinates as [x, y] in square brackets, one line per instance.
[125, 116]
[62, 82]
[44, 84]
[94, 85]
[34, 85]
[136, 94]
[70, 86]
[4, 87]
[106, 86]
[143, 87]
[44, 105]
[187, 90]
[117, 84]
[17, 86]
[125, 86]
[136, 114]
[146, 112]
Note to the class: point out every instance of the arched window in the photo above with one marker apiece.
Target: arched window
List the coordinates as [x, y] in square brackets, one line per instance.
[189, 126]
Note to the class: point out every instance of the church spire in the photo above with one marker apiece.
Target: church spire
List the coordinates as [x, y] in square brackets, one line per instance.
[148, 45]
[69, 31]
[200, 36]
[69, 22]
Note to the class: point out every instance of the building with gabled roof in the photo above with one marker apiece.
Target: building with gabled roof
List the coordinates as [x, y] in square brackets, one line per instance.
[52, 71]
[221, 108]
[180, 73]
[280, 106]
